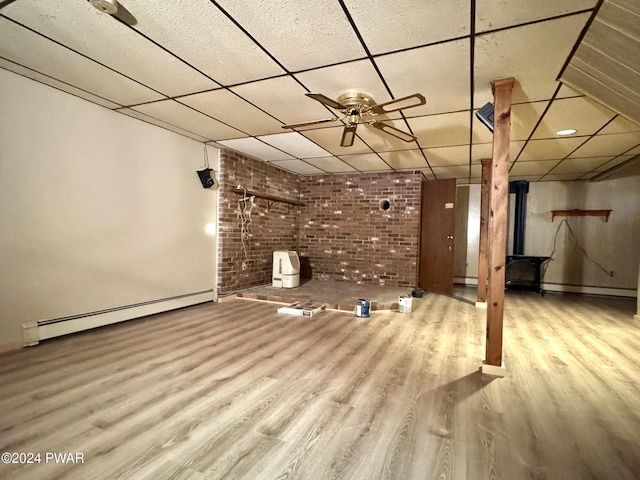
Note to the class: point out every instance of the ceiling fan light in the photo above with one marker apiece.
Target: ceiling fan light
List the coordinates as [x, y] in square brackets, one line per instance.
[348, 135]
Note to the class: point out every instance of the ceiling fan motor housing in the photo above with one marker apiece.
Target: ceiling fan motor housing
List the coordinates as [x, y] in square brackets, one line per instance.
[358, 103]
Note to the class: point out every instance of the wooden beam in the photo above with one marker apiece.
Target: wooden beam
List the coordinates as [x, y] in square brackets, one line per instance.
[498, 206]
[483, 250]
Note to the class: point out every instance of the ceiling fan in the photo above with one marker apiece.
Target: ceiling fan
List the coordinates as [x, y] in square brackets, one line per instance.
[358, 107]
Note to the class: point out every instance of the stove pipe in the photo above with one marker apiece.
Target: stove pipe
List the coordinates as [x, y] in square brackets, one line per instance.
[520, 188]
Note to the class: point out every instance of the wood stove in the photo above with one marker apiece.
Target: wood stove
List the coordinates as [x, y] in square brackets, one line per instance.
[524, 272]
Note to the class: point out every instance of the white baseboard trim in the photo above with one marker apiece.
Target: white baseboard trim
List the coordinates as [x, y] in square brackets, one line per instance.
[556, 287]
[614, 292]
[34, 332]
[494, 370]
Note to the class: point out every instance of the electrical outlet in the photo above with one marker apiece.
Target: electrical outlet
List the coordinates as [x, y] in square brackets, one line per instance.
[244, 265]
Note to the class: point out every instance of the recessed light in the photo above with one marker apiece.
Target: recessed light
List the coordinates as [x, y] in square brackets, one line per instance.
[569, 131]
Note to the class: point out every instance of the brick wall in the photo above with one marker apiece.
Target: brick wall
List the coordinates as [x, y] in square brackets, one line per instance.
[348, 237]
[273, 227]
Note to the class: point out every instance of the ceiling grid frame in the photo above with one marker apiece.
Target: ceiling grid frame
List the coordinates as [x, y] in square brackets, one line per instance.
[253, 30]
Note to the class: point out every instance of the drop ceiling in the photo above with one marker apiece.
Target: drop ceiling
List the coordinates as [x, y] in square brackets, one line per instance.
[231, 73]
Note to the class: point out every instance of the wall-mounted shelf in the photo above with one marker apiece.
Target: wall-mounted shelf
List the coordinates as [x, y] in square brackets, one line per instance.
[576, 212]
[270, 198]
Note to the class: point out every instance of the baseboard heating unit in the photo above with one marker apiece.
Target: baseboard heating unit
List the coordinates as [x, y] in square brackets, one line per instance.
[34, 332]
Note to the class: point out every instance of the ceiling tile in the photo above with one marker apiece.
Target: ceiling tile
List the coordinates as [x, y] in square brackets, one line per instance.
[494, 14]
[256, 149]
[283, 98]
[154, 121]
[532, 54]
[608, 145]
[613, 162]
[329, 139]
[580, 113]
[473, 180]
[575, 165]
[528, 178]
[177, 114]
[297, 166]
[485, 150]
[404, 159]
[381, 141]
[441, 130]
[566, 91]
[588, 176]
[81, 27]
[330, 164]
[299, 34]
[32, 51]
[444, 156]
[427, 173]
[524, 117]
[369, 162]
[203, 36]
[457, 171]
[439, 72]
[409, 23]
[550, 148]
[620, 125]
[353, 76]
[633, 151]
[295, 144]
[52, 82]
[532, 168]
[560, 177]
[227, 107]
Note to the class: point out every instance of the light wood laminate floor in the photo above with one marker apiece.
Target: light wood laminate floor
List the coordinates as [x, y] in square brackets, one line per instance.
[236, 391]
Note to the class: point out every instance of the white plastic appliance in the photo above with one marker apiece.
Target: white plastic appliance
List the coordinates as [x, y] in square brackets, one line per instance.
[286, 269]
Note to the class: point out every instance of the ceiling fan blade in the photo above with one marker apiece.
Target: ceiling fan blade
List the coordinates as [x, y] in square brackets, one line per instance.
[116, 10]
[409, 101]
[401, 134]
[4, 3]
[348, 135]
[312, 122]
[125, 16]
[326, 101]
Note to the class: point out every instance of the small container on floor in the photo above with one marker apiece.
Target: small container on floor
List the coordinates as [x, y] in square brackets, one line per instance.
[405, 303]
[363, 306]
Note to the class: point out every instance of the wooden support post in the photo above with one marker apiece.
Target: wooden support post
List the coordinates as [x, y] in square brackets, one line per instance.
[483, 247]
[498, 206]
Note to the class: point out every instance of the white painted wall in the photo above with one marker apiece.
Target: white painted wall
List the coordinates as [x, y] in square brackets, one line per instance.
[612, 244]
[97, 210]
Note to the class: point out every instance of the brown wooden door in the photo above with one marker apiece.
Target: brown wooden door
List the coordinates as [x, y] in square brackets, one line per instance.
[437, 226]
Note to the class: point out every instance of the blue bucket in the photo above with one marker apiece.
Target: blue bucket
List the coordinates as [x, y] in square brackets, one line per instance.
[362, 308]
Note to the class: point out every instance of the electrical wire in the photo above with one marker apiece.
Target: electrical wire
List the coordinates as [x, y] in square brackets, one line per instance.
[245, 207]
[580, 248]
